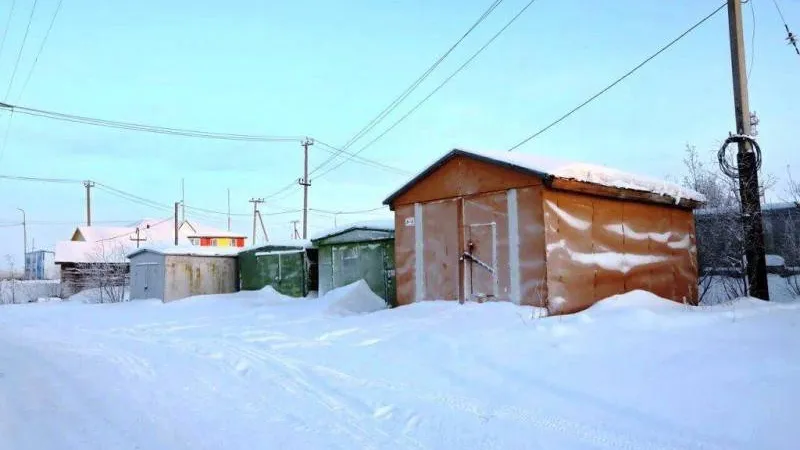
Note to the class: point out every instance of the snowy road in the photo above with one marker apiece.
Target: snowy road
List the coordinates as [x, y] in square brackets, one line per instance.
[250, 371]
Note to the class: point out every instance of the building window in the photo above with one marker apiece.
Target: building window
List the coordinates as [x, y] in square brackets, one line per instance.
[194, 241]
[214, 242]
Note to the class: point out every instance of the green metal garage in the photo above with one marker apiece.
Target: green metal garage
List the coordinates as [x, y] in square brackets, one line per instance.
[290, 267]
[363, 250]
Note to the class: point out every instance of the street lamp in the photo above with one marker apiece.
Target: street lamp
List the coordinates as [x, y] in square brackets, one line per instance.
[24, 244]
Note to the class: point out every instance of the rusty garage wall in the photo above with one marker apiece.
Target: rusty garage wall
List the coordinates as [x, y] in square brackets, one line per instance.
[199, 275]
[598, 247]
[470, 230]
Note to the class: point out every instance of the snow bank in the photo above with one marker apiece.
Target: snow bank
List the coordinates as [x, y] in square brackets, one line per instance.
[99, 295]
[355, 298]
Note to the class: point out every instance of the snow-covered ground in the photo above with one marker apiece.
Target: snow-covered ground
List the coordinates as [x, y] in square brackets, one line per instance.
[258, 370]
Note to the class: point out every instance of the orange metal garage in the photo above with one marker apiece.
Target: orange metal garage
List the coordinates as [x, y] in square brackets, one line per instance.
[506, 226]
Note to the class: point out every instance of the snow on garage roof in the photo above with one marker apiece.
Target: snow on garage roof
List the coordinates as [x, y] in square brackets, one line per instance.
[379, 225]
[548, 168]
[187, 250]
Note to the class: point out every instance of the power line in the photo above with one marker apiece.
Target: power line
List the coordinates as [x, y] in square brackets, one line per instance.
[618, 80]
[791, 38]
[21, 48]
[41, 47]
[360, 159]
[145, 127]
[399, 99]
[39, 179]
[432, 93]
[752, 39]
[8, 25]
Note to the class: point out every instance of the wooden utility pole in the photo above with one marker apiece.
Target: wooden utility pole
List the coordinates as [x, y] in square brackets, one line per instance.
[255, 202]
[746, 160]
[88, 184]
[305, 183]
[295, 234]
[176, 222]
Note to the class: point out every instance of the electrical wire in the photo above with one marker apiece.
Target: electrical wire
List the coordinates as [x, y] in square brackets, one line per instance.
[362, 160]
[8, 25]
[21, 48]
[41, 48]
[39, 179]
[618, 80]
[145, 127]
[410, 89]
[432, 93]
[790, 37]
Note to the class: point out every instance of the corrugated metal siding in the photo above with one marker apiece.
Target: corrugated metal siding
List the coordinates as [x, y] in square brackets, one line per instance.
[199, 275]
[343, 264]
[292, 274]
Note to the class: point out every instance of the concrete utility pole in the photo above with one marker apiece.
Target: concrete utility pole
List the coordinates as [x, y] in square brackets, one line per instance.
[88, 184]
[746, 161]
[255, 202]
[176, 222]
[305, 183]
[24, 245]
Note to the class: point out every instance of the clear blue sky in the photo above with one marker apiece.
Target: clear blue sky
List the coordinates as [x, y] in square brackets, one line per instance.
[324, 69]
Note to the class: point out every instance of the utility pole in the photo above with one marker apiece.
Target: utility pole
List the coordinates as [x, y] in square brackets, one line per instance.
[305, 183]
[255, 202]
[176, 222]
[229, 209]
[137, 238]
[746, 161]
[24, 245]
[183, 202]
[88, 184]
[296, 234]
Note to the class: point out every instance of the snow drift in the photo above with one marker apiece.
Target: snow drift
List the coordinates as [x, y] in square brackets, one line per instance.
[355, 298]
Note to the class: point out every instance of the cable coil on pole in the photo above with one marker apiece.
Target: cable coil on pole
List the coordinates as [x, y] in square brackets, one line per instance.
[729, 169]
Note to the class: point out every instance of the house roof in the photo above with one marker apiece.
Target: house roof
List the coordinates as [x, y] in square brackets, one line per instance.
[186, 250]
[90, 252]
[194, 229]
[550, 169]
[370, 225]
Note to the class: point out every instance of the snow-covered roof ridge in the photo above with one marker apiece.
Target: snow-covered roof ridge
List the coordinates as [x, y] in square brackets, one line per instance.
[290, 243]
[378, 225]
[548, 167]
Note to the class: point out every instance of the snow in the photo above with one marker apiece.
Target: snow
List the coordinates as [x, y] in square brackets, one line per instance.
[355, 298]
[585, 172]
[187, 250]
[257, 370]
[379, 225]
[121, 240]
[775, 261]
[95, 295]
[24, 291]
[291, 243]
